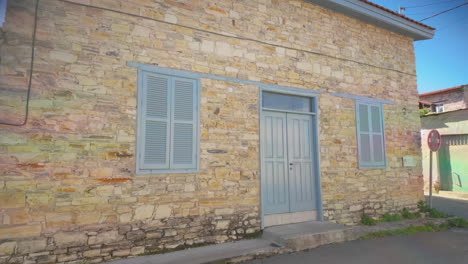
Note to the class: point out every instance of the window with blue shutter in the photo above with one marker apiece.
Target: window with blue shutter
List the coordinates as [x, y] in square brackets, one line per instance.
[168, 116]
[370, 135]
[3, 9]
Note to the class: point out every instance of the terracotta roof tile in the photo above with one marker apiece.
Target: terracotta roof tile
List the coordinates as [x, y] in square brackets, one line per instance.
[395, 13]
[442, 91]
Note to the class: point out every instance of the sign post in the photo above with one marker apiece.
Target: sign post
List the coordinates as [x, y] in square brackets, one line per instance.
[433, 141]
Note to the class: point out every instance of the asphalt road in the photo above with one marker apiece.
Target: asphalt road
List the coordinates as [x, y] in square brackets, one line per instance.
[421, 248]
[451, 206]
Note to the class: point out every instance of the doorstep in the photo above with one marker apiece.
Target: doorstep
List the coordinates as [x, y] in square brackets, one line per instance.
[275, 240]
[307, 235]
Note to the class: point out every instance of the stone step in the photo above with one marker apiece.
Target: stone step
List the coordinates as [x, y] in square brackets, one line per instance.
[307, 235]
[207, 254]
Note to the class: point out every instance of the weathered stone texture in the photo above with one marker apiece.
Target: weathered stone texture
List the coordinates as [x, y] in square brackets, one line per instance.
[67, 177]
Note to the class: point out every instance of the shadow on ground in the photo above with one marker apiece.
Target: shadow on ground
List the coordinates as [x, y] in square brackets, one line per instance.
[451, 206]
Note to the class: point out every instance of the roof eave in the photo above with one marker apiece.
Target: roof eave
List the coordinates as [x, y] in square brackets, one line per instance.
[377, 17]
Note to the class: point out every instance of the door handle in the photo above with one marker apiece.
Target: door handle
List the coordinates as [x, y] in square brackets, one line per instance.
[290, 164]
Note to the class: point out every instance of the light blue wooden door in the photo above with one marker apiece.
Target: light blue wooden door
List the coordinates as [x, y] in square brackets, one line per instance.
[300, 158]
[287, 176]
[275, 163]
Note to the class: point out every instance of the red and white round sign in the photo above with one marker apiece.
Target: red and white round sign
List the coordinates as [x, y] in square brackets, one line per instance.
[433, 140]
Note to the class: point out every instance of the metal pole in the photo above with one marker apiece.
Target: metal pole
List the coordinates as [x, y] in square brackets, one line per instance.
[430, 179]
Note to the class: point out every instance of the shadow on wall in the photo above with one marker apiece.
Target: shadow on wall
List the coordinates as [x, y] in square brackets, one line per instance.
[444, 120]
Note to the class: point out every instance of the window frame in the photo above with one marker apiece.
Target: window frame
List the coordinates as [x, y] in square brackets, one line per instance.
[140, 136]
[372, 164]
[439, 106]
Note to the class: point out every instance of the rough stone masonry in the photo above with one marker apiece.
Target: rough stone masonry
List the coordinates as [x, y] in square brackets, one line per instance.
[68, 188]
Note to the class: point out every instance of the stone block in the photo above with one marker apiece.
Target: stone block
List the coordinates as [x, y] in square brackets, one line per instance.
[223, 49]
[125, 218]
[105, 190]
[67, 258]
[88, 217]
[105, 237]
[135, 251]
[87, 200]
[20, 185]
[135, 235]
[39, 199]
[143, 212]
[223, 224]
[170, 232]
[305, 66]
[12, 200]
[62, 56]
[355, 208]
[31, 246]
[58, 219]
[222, 172]
[224, 211]
[153, 235]
[12, 139]
[92, 253]
[121, 253]
[19, 217]
[45, 259]
[163, 211]
[101, 172]
[67, 239]
[207, 46]
[7, 248]
[20, 231]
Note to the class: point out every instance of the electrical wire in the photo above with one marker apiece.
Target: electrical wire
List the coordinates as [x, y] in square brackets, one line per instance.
[445, 11]
[232, 36]
[33, 44]
[446, 26]
[429, 4]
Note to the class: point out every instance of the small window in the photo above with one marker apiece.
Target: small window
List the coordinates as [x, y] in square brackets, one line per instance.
[439, 108]
[370, 135]
[287, 102]
[167, 124]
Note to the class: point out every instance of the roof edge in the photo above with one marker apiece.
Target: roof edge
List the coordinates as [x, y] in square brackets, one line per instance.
[443, 90]
[379, 16]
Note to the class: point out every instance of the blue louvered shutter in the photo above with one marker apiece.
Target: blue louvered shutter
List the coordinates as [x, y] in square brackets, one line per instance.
[155, 124]
[184, 123]
[378, 148]
[3, 9]
[370, 135]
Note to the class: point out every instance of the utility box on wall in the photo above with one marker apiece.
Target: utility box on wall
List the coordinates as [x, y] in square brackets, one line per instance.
[408, 161]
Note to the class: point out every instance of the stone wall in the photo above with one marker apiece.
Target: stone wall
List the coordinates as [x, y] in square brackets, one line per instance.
[452, 100]
[68, 190]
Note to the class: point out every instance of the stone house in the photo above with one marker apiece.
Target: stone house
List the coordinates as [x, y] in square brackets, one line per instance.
[449, 116]
[156, 124]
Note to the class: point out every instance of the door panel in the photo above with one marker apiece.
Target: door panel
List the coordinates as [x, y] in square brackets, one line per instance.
[453, 163]
[301, 175]
[275, 177]
[288, 178]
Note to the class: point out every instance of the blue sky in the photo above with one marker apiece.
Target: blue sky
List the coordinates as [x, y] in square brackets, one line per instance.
[441, 62]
